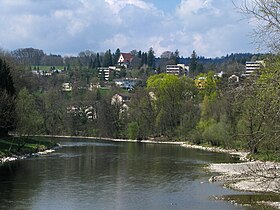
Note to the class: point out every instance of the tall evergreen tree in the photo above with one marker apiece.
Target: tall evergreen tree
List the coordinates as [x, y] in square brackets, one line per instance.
[177, 56]
[193, 64]
[107, 61]
[144, 58]
[97, 61]
[6, 80]
[151, 58]
[7, 103]
[116, 56]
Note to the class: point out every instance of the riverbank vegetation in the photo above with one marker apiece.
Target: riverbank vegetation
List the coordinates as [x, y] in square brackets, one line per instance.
[10, 146]
[204, 107]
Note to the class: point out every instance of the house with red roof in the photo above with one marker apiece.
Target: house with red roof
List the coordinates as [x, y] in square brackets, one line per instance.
[125, 59]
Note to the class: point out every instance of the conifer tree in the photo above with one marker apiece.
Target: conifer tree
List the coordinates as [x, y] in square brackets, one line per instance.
[7, 103]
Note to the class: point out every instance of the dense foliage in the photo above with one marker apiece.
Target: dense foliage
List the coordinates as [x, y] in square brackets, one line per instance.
[204, 109]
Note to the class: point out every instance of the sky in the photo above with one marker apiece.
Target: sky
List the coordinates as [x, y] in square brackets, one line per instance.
[213, 28]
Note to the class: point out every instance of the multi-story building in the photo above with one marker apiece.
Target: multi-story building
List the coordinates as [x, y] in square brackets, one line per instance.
[179, 69]
[252, 67]
[106, 73]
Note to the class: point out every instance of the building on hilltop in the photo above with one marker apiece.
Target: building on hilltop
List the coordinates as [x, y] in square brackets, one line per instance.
[179, 70]
[125, 59]
[252, 67]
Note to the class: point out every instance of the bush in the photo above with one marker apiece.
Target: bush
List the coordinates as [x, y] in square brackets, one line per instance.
[216, 134]
[133, 130]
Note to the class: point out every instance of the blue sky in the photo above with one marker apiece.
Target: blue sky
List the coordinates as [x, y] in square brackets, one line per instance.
[211, 27]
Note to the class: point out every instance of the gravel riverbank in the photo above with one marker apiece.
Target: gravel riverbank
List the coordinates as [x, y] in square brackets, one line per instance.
[21, 157]
[255, 176]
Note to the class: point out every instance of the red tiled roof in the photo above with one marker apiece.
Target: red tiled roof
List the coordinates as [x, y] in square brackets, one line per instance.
[127, 56]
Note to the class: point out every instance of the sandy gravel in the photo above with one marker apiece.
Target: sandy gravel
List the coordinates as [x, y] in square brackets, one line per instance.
[253, 176]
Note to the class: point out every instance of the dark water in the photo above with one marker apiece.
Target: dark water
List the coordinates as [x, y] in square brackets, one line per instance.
[111, 175]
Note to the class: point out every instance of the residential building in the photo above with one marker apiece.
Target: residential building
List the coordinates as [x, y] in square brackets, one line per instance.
[126, 83]
[108, 72]
[67, 87]
[125, 59]
[83, 111]
[179, 69]
[233, 79]
[252, 67]
[200, 82]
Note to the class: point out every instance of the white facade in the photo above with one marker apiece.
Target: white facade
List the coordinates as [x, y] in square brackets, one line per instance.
[67, 86]
[106, 72]
[253, 66]
[179, 69]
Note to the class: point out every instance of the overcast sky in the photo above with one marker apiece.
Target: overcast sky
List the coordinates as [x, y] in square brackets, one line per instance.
[211, 27]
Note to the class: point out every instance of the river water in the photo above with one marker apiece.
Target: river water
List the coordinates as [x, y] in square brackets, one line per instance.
[108, 175]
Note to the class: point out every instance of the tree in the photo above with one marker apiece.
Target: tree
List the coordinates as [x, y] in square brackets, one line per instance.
[6, 80]
[144, 58]
[107, 60]
[7, 113]
[29, 120]
[141, 115]
[48, 60]
[151, 58]
[170, 94]
[259, 123]
[116, 56]
[7, 95]
[193, 64]
[176, 57]
[53, 109]
[209, 84]
[97, 61]
[266, 14]
[29, 56]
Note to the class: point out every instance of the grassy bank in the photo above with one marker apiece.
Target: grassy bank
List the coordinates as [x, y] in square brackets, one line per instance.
[21, 145]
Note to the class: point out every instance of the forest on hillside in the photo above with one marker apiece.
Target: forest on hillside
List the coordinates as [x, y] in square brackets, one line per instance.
[230, 114]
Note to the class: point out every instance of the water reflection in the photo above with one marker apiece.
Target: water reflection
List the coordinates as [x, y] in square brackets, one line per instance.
[112, 175]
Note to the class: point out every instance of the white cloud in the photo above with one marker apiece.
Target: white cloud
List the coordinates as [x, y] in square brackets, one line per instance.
[157, 45]
[117, 5]
[188, 8]
[117, 41]
[209, 27]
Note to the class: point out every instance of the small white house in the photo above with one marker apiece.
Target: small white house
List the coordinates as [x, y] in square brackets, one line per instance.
[67, 87]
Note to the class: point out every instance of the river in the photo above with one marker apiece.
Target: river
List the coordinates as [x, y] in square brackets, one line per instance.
[86, 174]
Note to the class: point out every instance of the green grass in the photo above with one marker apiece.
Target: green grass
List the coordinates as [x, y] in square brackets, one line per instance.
[19, 146]
[104, 91]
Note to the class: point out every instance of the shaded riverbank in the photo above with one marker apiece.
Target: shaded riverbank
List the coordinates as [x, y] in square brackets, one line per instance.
[18, 148]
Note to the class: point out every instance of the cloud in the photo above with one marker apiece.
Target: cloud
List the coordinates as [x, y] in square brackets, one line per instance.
[117, 41]
[188, 8]
[210, 27]
[117, 5]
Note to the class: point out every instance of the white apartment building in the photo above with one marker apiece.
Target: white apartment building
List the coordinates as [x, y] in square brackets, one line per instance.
[253, 67]
[179, 69]
[107, 72]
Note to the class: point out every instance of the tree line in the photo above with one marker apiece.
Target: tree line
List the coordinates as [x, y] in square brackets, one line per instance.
[243, 115]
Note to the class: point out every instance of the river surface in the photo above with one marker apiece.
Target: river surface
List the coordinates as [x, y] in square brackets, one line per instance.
[86, 174]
